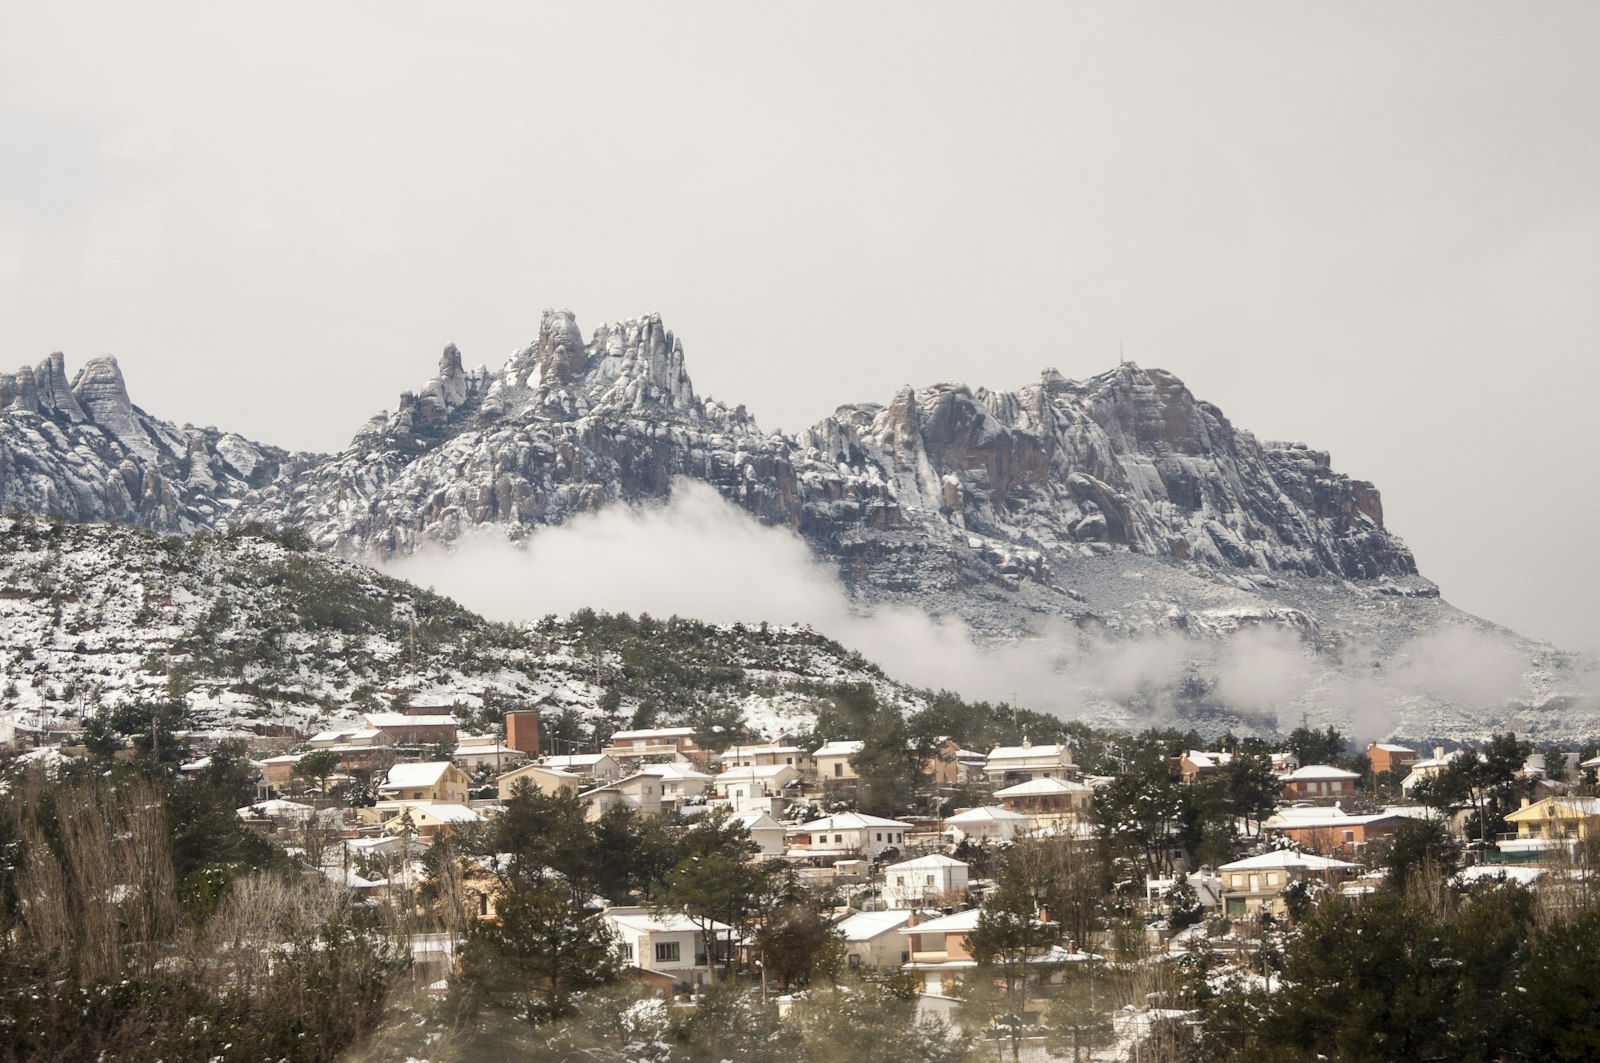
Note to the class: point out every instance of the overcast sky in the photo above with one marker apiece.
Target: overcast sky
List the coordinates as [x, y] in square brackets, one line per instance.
[1371, 227]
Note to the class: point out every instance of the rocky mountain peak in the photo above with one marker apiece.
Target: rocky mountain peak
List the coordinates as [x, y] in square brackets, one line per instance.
[43, 390]
[947, 491]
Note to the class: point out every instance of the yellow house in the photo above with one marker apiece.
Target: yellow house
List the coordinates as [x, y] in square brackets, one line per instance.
[1256, 884]
[834, 770]
[439, 781]
[543, 779]
[1557, 819]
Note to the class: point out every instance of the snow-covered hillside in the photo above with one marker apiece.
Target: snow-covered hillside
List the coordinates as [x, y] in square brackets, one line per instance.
[255, 631]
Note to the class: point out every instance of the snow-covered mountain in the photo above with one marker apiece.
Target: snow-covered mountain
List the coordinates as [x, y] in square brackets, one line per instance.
[255, 632]
[1120, 505]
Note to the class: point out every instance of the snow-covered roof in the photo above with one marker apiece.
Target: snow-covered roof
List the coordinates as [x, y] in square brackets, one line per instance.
[646, 921]
[680, 772]
[653, 732]
[1305, 813]
[1063, 753]
[755, 820]
[1583, 806]
[960, 923]
[851, 821]
[1331, 819]
[425, 774]
[753, 772]
[446, 812]
[277, 807]
[926, 863]
[1319, 771]
[1043, 787]
[985, 814]
[401, 720]
[1206, 759]
[576, 760]
[1287, 859]
[847, 748]
[488, 751]
[864, 926]
[522, 771]
[1390, 748]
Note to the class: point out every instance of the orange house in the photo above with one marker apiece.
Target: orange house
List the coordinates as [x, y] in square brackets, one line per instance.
[1319, 782]
[1385, 757]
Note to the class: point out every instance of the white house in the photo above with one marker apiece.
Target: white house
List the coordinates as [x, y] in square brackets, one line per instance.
[756, 780]
[679, 781]
[834, 770]
[924, 882]
[847, 834]
[986, 823]
[1013, 764]
[480, 753]
[599, 768]
[669, 942]
[639, 791]
[766, 832]
[873, 939]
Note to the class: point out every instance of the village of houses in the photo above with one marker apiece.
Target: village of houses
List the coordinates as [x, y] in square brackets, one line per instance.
[913, 904]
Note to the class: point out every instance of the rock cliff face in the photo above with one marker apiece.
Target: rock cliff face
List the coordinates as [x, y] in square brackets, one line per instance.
[946, 493]
[84, 451]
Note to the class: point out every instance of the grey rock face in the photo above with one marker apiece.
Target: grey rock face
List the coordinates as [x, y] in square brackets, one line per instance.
[85, 452]
[946, 496]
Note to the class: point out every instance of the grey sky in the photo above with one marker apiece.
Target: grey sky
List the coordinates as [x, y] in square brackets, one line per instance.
[1373, 227]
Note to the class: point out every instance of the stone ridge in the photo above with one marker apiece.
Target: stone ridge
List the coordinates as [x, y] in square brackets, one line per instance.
[945, 494]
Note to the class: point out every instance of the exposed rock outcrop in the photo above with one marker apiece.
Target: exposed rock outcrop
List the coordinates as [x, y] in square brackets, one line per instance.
[948, 495]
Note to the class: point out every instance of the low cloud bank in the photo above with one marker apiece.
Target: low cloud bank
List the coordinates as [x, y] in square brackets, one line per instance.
[701, 557]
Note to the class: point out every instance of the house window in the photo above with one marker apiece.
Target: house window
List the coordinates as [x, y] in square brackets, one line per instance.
[626, 949]
[838, 839]
[855, 960]
[929, 880]
[880, 835]
[1349, 837]
[667, 952]
[838, 771]
[1238, 881]
[1272, 878]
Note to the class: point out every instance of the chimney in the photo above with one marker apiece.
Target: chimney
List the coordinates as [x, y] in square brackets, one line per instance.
[1438, 752]
[1524, 802]
[522, 732]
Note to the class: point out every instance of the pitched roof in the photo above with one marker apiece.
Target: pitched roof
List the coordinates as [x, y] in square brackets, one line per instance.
[985, 814]
[400, 720]
[960, 923]
[864, 926]
[681, 772]
[851, 821]
[927, 862]
[1319, 771]
[576, 760]
[652, 732]
[425, 774]
[1044, 787]
[846, 748]
[1286, 859]
[753, 772]
[1031, 752]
